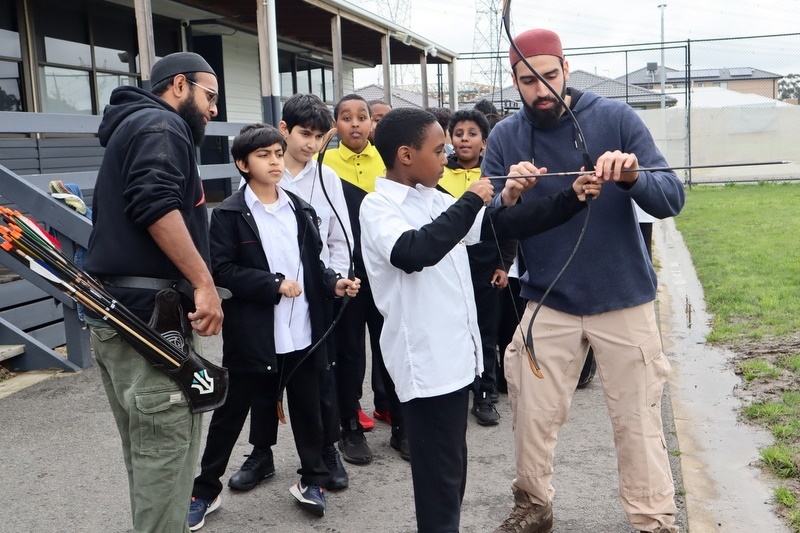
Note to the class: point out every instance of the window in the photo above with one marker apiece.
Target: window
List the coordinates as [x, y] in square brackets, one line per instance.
[11, 96]
[65, 90]
[86, 49]
[10, 87]
[300, 75]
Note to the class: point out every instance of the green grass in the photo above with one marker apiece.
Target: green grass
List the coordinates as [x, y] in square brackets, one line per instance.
[744, 244]
[782, 460]
[785, 497]
[758, 368]
[743, 240]
[791, 362]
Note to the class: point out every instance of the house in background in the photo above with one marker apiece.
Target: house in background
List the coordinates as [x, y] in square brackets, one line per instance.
[400, 97]
[507, 99]
[742, 79]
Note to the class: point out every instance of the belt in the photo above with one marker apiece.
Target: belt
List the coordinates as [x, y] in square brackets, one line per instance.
[156, 284]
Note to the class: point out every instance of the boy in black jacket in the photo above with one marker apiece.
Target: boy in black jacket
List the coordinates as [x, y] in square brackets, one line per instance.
[265, 247]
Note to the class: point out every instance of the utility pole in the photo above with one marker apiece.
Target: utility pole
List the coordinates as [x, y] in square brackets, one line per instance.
[662, 7]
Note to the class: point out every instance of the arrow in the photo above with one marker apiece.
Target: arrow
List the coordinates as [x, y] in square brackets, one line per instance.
[647, 169]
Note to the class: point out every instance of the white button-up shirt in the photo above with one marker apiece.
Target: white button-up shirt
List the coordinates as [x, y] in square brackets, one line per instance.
[277, 230]
[335, 253]
[430, 338]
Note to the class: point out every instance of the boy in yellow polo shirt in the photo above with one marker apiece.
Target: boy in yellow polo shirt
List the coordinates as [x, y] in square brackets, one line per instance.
[488, 262]
[358, 164]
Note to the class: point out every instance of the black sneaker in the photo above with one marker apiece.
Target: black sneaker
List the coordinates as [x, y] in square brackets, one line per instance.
[354, 447]
[399, 442]
[311, 498]
[258, 467]
[588, 371]
[338, 475]
[484, 410]
[494, 396]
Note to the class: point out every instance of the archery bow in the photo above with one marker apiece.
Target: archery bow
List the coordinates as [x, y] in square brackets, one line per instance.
[588, 167]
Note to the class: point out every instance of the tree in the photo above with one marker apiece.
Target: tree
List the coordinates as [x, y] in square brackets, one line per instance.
[789, 87]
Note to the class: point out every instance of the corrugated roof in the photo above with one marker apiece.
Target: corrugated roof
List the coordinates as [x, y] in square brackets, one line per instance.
[508, 98]
[646, 77]
[400, 97]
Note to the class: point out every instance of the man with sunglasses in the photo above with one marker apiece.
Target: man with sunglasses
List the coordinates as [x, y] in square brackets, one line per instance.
[151, 232]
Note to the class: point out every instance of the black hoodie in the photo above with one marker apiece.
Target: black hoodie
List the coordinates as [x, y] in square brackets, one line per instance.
[149, 169]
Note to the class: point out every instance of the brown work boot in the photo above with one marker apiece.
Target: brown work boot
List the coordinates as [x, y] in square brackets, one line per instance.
[527, 517]
[663, 529]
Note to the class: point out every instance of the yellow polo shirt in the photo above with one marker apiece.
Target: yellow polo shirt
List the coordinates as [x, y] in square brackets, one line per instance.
[456, 181]
[358, 169]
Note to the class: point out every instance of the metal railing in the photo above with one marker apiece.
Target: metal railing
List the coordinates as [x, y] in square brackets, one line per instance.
[29, 193]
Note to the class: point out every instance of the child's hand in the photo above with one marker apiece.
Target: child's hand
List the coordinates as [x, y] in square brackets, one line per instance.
[483, 188]
[499, 279]
[347, 286]
[587, 184]
[290, 288]
[516, 186]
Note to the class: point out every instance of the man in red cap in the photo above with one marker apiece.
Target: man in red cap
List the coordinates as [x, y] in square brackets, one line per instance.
[604, 300]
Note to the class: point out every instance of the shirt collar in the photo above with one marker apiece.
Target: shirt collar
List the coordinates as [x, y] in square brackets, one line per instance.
[252, 200]
[311, 167]
[347, 153]
[398, 192]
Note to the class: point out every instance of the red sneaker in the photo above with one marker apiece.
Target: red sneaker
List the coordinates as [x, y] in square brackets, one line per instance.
[384, 416]
[366, 422]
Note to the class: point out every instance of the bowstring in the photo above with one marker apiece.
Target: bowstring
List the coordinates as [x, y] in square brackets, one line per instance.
[588, 166]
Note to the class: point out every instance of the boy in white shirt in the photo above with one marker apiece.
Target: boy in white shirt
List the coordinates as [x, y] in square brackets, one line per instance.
[413, 240]
[265, 247]
[306, 121]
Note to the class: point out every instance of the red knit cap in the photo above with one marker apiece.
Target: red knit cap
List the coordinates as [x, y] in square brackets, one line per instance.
[536, 43]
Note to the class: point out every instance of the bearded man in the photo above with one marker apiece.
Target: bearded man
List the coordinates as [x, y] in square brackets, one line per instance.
[151, 232]
[604, 300]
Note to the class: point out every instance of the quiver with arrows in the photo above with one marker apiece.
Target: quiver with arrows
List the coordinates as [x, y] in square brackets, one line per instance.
[204, 384]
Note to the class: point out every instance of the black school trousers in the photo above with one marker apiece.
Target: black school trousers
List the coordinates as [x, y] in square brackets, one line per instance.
[264, 433]
[487, 304]
[351, 350]
[227, 421]
[437, 438]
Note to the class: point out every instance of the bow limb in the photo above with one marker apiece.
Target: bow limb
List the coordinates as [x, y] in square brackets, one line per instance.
[588, 167]
[351, 275]
[506, 18]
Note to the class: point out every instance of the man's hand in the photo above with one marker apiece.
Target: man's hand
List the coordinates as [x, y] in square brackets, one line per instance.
[617, 166]
[207, 318]
[483, 188]
[587, 184]
[516, 186]
[289, 288]
[349, 287]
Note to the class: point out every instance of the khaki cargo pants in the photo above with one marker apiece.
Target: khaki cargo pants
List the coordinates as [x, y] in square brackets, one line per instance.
[160, 436]
[633, 370]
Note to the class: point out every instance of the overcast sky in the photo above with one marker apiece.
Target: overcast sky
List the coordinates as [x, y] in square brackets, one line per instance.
[584, 23]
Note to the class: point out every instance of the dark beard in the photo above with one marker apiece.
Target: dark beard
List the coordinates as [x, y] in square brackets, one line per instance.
[194, 118]
[546, 118]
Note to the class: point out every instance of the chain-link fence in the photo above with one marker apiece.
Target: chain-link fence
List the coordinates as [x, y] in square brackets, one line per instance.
[714, 101]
